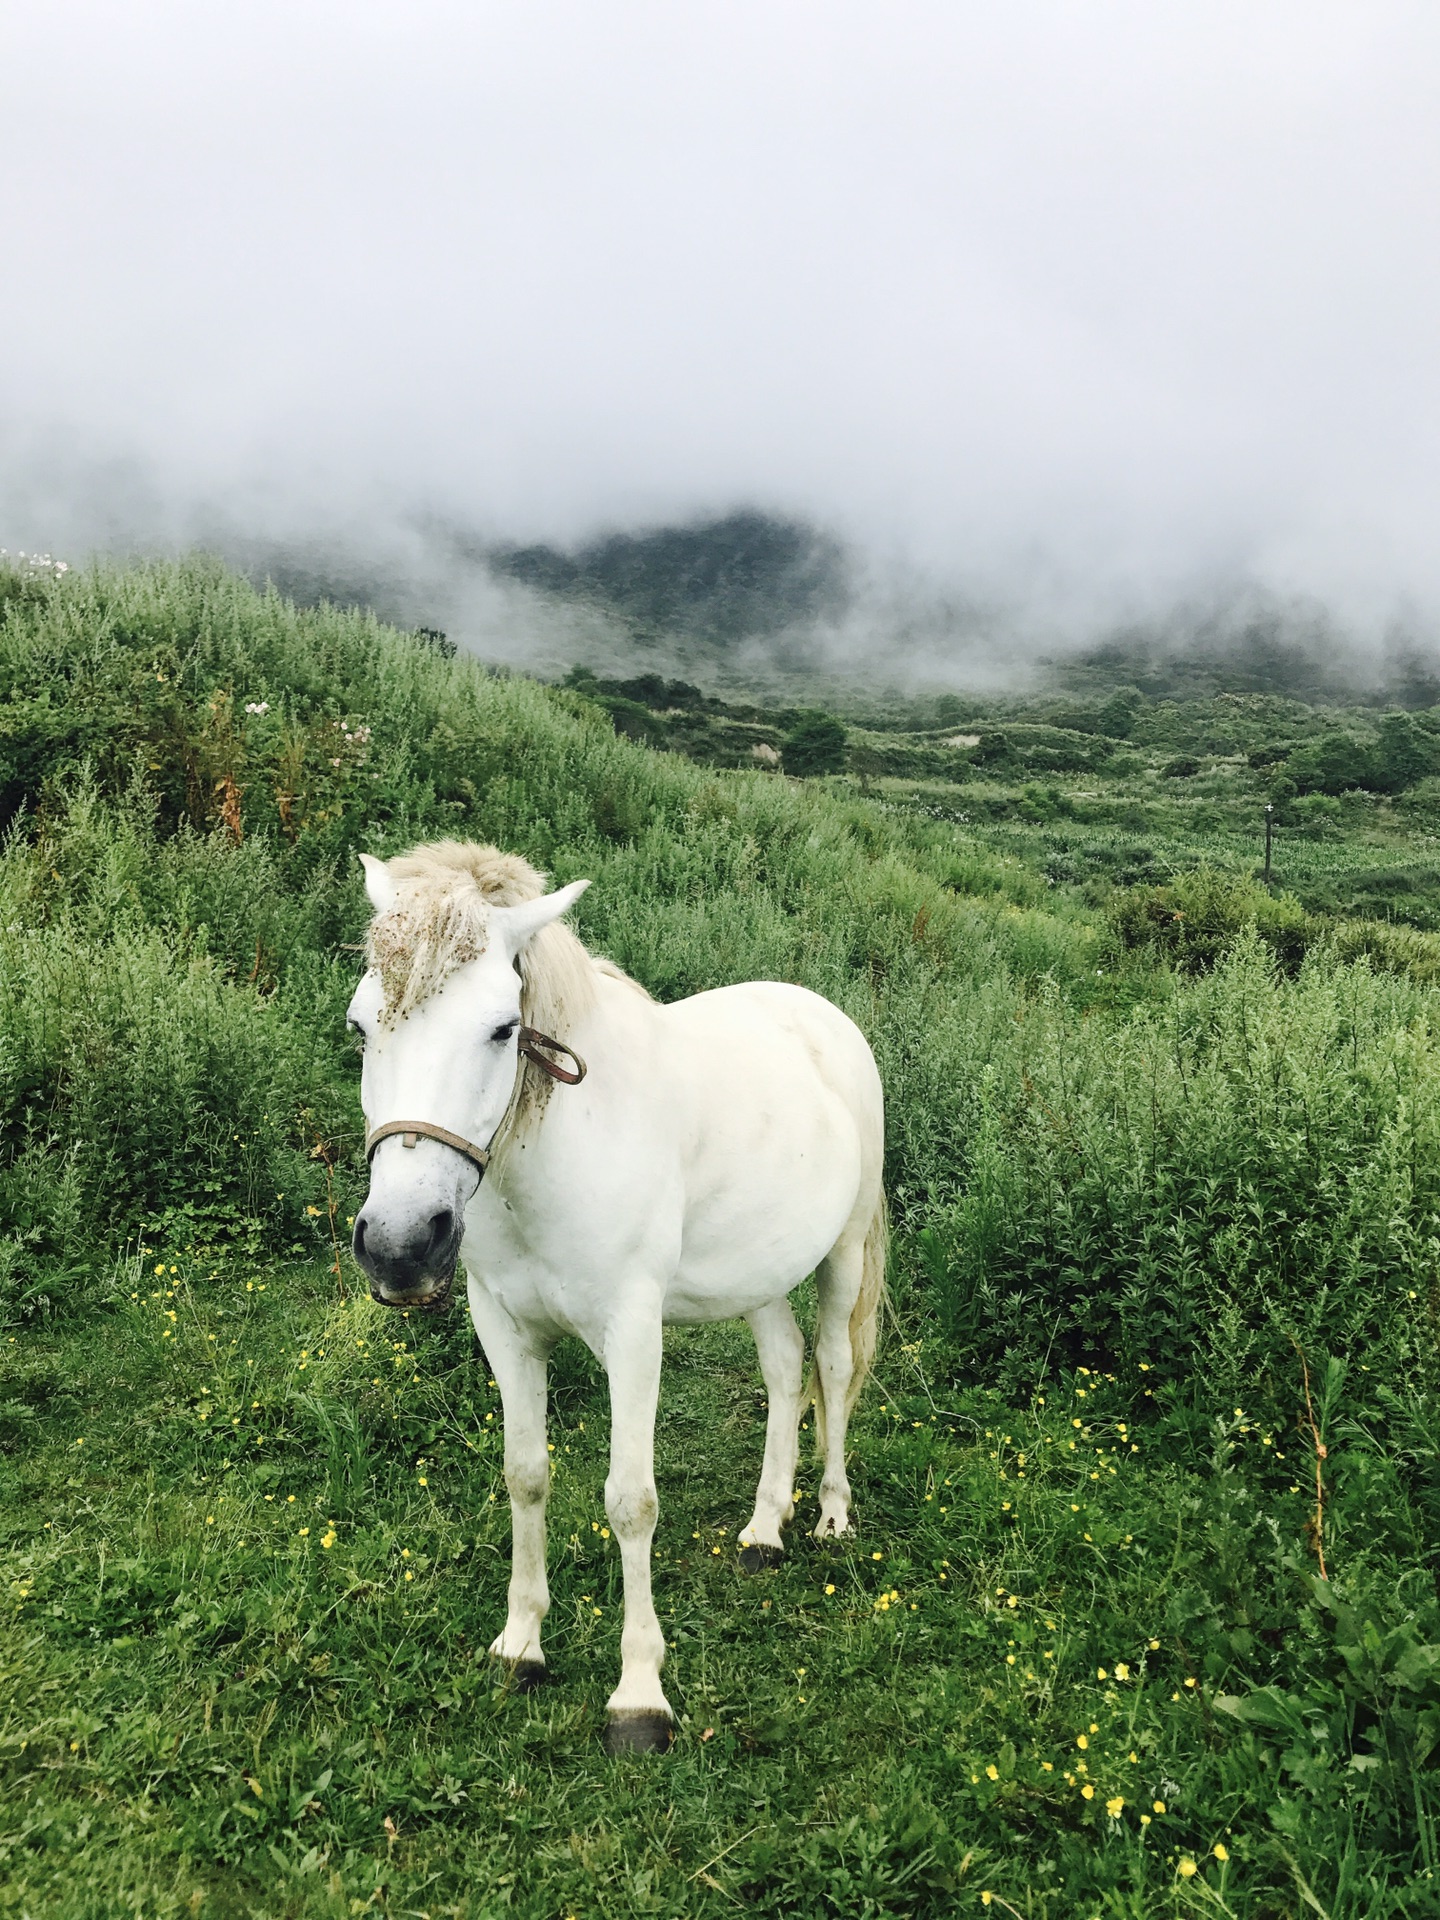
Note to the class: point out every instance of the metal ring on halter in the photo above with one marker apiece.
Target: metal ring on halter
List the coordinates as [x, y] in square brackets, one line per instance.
[416, 1129]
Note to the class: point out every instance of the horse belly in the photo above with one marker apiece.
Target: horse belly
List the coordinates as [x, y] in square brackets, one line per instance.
[752, 1238]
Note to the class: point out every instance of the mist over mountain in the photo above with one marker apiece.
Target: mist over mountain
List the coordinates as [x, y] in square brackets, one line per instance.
[772, 342]
[745, 600]
[754, 601]
[744, 575]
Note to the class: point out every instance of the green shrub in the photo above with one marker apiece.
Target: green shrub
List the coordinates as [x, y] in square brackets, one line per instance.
[1403, 754]
[1251, 1159]
[1196, 919]
[136, 1082]
[814, 745]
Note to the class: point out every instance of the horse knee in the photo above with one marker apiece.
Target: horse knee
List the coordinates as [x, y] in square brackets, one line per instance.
[528, 1479]
[632, 1510]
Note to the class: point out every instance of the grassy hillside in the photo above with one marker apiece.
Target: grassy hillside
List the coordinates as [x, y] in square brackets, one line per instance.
[1163, 1164]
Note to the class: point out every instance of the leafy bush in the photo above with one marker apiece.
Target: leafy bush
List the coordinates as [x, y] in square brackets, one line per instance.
[149, 1063]
[1403, 754]
[1251, 1159]
[1196, 919]
[814, 745]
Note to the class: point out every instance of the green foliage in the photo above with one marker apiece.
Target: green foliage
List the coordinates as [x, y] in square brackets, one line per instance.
[814, 745]
[1403, 754]
[1249, 1162]
[1197, 919]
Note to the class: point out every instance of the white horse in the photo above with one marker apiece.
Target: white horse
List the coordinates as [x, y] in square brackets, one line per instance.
[716, 1152]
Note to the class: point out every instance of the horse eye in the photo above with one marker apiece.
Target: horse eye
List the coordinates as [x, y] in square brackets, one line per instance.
[504, 1032]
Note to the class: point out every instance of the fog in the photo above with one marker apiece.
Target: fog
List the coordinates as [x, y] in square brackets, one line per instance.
[1060, 318]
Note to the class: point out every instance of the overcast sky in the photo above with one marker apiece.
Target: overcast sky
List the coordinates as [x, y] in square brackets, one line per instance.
[1122, 297]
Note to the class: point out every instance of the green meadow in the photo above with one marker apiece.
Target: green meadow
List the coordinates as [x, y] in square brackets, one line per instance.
[1140, 1617]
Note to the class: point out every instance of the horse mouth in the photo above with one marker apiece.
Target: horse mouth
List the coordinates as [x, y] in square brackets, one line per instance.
[430, 1301]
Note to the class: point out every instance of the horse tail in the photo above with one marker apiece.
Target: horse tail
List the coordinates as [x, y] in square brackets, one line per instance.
[864, 1319]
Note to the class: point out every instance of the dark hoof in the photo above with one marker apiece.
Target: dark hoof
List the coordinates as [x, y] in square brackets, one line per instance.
[760, 1559]
[524, 1676]
[639, 1733]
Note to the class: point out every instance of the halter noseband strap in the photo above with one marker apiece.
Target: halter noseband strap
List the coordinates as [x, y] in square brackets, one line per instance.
[412, 1130]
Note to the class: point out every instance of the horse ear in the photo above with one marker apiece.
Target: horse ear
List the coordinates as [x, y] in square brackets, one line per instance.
[522, 923]
[381, 888]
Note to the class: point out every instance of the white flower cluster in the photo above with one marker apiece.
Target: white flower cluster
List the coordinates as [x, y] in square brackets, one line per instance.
[40, 562]
[356, 736]
[257, 706]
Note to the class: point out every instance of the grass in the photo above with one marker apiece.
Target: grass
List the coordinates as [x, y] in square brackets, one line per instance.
[246, 1656]
[1168, 1222]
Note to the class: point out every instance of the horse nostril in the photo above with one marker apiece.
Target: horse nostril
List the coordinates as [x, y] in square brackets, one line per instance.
[359, 1238]
[441, 1228]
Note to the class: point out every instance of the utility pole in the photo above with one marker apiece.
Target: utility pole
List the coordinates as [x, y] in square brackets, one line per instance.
[1269, 828]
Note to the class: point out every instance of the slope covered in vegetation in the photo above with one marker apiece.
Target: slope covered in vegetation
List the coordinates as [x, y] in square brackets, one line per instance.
[1166, 1186]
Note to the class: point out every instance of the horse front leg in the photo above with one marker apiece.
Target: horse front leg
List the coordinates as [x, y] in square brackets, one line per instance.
[518, 1359]
[641, 1720]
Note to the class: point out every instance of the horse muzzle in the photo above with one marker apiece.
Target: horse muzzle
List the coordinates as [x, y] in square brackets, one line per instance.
[411, 1263]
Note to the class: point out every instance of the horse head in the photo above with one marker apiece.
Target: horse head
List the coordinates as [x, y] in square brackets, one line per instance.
[439, 1016]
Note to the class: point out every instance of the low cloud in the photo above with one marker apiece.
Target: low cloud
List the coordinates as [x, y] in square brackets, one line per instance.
[1057, 324]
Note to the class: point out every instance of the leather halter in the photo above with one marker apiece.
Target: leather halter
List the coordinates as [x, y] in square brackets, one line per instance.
[531, 1040]
[412, 1130]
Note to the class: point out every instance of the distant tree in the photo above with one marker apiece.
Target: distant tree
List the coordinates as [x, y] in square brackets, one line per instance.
[1336, 763]
[995, 747]
[1117, 716]
[1404, 754]
[633, 719]
[433, 637]
[1183, 767]
[680, 693]
[950, 710]
[647, 688]
[814, 745]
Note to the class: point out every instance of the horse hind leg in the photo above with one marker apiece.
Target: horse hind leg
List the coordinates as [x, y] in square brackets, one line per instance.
[851, 1286]
[781, 1347]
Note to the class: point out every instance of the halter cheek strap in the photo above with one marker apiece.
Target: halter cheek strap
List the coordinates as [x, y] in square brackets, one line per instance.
[531, 1041]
